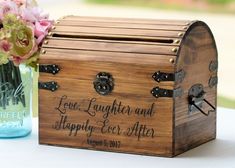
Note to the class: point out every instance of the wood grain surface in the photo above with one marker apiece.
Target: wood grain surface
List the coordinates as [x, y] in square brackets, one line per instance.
[132, 87]
[130, 119]
[197, 51]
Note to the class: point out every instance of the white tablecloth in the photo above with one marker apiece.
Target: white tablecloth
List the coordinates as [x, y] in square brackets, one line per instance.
[27, 153]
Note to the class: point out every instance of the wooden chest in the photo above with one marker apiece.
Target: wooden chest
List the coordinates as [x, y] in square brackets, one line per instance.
[128, 85]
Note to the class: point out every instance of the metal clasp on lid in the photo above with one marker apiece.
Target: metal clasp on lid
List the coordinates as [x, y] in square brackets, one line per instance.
[104, 83]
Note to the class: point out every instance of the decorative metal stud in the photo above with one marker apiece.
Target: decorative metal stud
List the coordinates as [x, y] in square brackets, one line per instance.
[174, 50]
[44, 52]
[53, 27]
[180, 34]
[185, 28]
[177, 41]
[46, 42]
[172, 60]
[57, 22]
[50, 34]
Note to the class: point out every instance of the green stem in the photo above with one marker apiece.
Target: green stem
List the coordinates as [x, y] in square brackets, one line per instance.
[1, 83]
[11, 79]
[19, 79]
[4, 81]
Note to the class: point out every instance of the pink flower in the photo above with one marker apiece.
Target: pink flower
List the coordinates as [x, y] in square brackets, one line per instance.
[6, 7]
[33, 15]
[41, 29]
[28, 27]
[5, 46]
[20, 2]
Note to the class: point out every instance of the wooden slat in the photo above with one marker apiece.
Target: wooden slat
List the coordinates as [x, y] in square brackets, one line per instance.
[132, 26]
[118, 31]
[114, 47]
[128, 20]
[112, 39]
[116, 37]
[125, 68]
[161, 61]
[123, 87]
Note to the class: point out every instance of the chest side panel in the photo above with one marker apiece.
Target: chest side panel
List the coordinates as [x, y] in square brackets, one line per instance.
[193, 128]
[128, 120]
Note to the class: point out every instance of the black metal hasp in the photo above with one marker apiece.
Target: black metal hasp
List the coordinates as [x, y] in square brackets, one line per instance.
[53, 69]
[196, 99]
[159, 92]
[162, 76]
[104, 83]
[51, 86]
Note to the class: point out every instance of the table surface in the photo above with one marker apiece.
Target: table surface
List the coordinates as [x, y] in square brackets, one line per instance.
[27, 153]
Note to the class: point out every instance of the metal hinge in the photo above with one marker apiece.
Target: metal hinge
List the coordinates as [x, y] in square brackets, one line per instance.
[213, 81]
[159, 92]
[161, 76]
[51, 86]
[53, 69]
[213, 66]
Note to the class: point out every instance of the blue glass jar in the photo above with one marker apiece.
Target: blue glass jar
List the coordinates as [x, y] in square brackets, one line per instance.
[15, 100]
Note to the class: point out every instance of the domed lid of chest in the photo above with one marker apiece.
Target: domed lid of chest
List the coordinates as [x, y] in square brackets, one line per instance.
[141, 36]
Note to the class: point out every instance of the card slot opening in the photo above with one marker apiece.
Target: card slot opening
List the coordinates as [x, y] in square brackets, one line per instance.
[131, 39]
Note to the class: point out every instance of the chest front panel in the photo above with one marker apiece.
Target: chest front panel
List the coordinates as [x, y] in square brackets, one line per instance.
[128, 119]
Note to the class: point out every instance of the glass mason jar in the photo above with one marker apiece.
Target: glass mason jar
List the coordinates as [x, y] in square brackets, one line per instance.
[15, 100]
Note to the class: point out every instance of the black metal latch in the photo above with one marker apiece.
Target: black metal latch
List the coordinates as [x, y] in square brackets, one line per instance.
[196, 99]
[104, 83]
[51, 86]
[159, 92]
[53, 69]
[161, 76]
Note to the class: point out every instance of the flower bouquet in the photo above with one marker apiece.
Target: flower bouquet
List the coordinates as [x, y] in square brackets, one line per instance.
[23, 27]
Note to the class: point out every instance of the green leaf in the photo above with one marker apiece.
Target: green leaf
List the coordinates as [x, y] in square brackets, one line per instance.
[33, 61]
[10, 21]
[4, 58]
